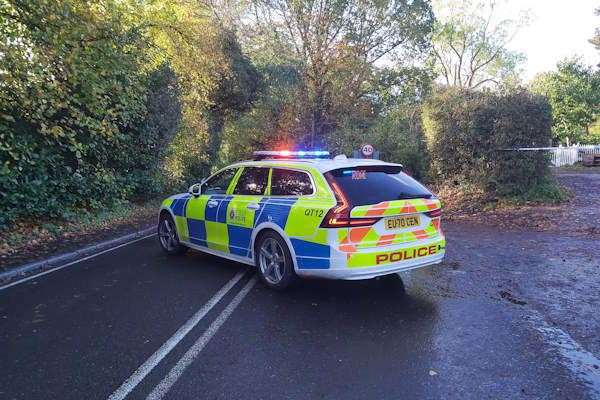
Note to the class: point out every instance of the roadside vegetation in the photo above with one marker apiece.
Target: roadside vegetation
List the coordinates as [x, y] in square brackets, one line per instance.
[573, 91]
[108, 104]
[470, 135]
[30, 239]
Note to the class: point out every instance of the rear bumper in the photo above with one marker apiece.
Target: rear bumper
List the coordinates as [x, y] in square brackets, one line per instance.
[371, 272]
[339, 268]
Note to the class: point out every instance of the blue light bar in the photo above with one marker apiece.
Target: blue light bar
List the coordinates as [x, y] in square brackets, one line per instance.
[291, 154]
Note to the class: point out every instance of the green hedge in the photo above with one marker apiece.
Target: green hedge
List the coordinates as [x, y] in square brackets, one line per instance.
[469, 134]
[74, 101]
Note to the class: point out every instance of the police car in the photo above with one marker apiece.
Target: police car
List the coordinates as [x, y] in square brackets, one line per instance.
[303, 214]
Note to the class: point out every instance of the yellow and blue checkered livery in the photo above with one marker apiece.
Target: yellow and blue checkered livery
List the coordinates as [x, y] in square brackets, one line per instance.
[228, 224]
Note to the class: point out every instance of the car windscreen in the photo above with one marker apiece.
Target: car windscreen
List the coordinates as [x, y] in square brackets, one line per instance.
[365, 185]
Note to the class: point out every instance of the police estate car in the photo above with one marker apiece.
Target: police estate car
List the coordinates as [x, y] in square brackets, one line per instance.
[295, 214]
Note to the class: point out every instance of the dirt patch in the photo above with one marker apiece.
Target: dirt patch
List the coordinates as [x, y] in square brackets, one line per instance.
[580, 215]
[28, 241]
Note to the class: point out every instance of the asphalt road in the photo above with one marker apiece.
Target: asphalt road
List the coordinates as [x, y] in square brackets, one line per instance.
[508, 315]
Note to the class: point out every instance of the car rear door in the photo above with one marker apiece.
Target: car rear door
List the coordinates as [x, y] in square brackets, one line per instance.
[299, 209]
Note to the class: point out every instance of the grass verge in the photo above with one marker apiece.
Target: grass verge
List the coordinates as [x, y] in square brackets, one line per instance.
[29, 239]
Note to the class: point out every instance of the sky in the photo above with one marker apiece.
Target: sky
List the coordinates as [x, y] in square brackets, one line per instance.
[558, 29]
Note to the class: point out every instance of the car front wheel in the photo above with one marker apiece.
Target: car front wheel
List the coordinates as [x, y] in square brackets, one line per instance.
[167, 235]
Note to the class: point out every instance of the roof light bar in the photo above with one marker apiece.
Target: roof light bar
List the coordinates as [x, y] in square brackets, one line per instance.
[290, 154]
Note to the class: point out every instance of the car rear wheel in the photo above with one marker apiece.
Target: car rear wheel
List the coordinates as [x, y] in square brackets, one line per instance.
[167, 236]
[274, 261]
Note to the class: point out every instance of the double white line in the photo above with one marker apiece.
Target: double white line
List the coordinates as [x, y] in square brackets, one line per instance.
[163, 387]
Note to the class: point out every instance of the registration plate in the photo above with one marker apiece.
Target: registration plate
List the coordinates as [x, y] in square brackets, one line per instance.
[403, 222]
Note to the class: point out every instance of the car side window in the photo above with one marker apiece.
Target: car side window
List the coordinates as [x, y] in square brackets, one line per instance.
[287, 182]
[219, 183]
[252, 181]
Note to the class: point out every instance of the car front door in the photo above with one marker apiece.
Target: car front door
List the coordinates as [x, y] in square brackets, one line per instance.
[250, 189]
[206, 214]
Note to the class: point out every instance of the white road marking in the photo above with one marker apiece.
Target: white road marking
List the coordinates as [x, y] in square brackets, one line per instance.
[167, 346]
[73, 262]
[583, 364]
[163, 387]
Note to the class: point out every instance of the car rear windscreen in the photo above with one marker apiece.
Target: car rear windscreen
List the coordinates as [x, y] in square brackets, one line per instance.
[374, 184]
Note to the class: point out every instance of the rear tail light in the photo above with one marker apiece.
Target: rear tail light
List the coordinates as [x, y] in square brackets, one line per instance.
[435, 213]
[339, 215]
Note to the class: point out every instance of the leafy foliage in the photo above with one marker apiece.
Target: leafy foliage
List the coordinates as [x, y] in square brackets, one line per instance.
[574, 94]
[335, 45]
[90, 96]
[470, 45]
[390, 120]
[468, 135]
[274, 120]
[236, 89]
[400, 137]
[68, 115]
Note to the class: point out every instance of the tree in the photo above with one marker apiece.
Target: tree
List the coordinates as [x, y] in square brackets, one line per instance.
[326, 36]
[99, 100]
[236, 89]
[72, 92]
[574, 95]
[470, 44]
[388, 117]
[275, 120]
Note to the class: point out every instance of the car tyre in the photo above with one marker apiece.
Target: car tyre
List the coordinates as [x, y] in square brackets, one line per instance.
[167, 236]
[274, 261]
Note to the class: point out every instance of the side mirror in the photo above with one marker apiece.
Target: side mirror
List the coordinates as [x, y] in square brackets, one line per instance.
[195, 190]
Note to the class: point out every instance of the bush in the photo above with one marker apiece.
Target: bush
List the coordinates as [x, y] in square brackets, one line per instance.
[520, 119]
[546, 192]
[448, 118]
[98, 101]
[470, 135]
[591, 138]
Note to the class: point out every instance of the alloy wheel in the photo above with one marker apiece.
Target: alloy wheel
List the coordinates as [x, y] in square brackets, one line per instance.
[272, 261]
[167, 235]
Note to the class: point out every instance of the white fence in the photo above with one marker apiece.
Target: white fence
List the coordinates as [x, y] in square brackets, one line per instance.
[567, 155]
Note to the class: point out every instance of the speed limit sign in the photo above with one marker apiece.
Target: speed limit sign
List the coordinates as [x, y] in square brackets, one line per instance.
[367, 150]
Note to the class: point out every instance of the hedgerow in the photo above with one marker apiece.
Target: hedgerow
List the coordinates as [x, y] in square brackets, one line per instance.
[471, 135]
[68, 116]
[91, 95]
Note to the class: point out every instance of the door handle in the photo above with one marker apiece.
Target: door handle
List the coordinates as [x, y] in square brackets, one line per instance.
[253, 206]
[212, 203]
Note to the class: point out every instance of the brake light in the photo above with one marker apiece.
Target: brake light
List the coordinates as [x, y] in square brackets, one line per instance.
[339, 215]
[435, 213]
